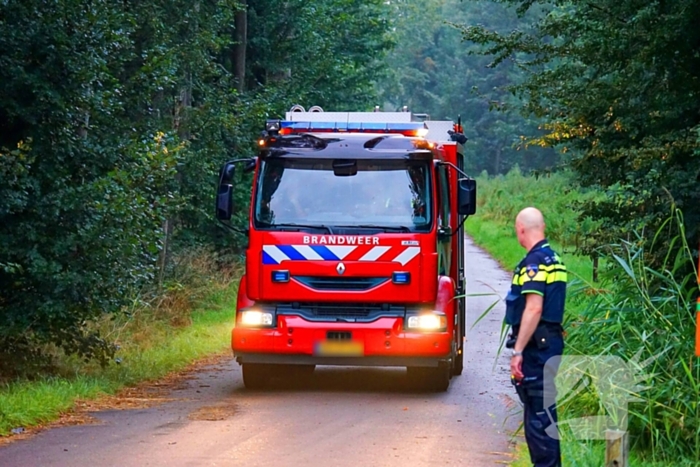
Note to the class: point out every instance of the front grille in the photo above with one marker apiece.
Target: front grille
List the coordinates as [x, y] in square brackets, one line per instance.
[340, 283]
[341, 311]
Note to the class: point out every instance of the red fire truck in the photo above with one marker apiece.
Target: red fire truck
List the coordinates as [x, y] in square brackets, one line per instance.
[355, 254]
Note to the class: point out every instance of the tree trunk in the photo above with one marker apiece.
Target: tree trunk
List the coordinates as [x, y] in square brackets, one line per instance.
[497, 162]
[181, 125]
[239, 49]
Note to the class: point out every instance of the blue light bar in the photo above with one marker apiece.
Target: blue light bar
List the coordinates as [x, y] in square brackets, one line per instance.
[280, 276]
[295, 126]
[324, 126]
[375, 126]
[408, 128]
[401, 278]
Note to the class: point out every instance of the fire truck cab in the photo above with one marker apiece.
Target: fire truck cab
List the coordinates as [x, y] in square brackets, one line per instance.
[355, 254]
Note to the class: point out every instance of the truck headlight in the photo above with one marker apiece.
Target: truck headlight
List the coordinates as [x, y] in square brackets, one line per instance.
[255, 318]
[430, 321]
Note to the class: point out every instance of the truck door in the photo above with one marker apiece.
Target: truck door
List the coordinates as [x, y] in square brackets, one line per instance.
[444, 213]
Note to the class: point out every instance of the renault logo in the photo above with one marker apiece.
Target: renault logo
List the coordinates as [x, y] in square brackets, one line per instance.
[340, 268]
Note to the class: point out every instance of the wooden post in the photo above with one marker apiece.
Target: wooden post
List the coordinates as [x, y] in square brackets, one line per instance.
[616, 446]
[595, 268]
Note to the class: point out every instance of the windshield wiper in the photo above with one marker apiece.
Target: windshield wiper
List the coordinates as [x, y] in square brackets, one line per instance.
[299, 226]
[399, 228]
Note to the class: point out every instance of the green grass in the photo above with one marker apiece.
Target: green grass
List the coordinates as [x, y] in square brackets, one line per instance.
[640, 309]
[591, 454]
[28, 403]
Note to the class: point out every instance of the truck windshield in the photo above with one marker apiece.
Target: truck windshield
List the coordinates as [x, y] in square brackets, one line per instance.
[388, 193]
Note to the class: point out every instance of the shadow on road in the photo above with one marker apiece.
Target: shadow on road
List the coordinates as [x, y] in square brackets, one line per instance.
[345, 379]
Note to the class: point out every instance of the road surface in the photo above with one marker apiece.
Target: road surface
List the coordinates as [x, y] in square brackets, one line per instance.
[339, 417]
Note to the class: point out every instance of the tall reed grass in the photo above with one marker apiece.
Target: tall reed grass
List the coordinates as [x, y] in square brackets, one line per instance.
[648, 313]
[635, 311]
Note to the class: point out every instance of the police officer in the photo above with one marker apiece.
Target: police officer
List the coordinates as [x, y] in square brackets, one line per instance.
[534, 310]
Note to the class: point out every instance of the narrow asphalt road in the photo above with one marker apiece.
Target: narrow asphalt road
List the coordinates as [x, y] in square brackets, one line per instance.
[338, 417]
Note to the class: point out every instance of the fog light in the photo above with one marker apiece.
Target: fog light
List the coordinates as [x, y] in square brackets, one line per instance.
[428, 322]
[401, 278]
[256, 318]
[280, 276]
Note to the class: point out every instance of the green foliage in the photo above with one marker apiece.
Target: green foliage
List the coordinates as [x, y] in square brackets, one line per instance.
[501, 198]
[325, 53]
[617, 83]
[592, 454]
[114, 120]
[555, 194]
[647, 312]
[431, 71]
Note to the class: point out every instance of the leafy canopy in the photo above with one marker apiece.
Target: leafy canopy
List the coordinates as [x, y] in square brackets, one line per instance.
[618, 85]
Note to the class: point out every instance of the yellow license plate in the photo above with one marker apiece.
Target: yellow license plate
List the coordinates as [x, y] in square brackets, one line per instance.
[340, 348]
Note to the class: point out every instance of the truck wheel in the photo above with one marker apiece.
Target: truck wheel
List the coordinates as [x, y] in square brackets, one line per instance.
[458, 366]
[431, 379]
[255, 376]
[441, 377]
[297, 373]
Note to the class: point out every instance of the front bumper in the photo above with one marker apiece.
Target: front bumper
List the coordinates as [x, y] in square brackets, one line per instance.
[382, 342]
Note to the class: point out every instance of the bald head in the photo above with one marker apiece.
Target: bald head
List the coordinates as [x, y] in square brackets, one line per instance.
[529, 226]
[530, 218]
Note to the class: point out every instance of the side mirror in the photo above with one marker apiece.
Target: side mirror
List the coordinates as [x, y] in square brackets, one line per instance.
[250, 165]
[466, 195]
[224, 195]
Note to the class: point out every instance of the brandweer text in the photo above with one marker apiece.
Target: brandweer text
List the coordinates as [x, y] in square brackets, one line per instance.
[338, 240]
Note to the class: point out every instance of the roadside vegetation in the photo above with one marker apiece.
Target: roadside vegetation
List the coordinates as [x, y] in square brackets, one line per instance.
[161, 333]
[635, 311]
[114, 121]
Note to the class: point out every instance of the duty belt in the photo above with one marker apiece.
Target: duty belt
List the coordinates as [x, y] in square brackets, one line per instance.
[552, 329]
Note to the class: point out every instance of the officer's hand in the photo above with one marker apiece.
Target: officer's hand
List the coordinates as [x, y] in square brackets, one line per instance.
[516, 367]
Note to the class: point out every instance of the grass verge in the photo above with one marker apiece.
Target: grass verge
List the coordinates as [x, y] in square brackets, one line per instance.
[25, 404]
[155, 340]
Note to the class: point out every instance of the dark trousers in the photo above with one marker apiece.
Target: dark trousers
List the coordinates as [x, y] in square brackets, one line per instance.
[538, 394]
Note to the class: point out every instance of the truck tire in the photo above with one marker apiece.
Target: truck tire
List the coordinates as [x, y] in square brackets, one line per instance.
[441, 378]
[458, 366]
[430, 379]
[296, 374]
[255, 376]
